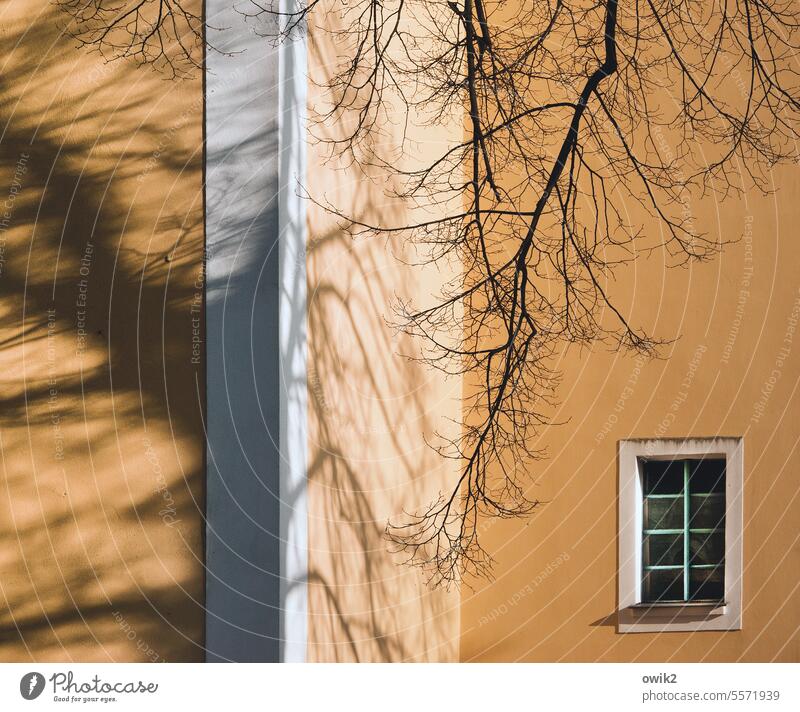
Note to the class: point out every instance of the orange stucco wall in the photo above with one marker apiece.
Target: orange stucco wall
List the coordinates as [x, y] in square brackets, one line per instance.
[100, 420]
[369, 408]
[101, 430]
[734, 369]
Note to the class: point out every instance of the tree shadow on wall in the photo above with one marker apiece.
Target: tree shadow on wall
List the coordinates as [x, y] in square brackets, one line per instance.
[369, 409]
[101, 406]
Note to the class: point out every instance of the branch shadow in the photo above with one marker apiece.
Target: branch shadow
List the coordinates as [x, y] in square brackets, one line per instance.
[101, 407]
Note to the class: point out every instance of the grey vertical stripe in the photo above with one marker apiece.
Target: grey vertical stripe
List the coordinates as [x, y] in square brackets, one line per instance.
[243, 590]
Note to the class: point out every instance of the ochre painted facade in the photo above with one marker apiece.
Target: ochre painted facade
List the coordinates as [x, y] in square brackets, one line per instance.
[369, 408]
[733, 369]
[100, 422]
[101, 243]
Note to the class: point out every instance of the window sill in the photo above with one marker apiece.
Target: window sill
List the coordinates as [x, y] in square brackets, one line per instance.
[672, 614]
[681, 604]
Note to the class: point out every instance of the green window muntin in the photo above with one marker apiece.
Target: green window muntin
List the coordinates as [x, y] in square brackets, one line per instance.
[683, 538]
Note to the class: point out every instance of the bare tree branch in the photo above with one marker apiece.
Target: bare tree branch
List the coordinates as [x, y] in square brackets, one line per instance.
[573, 107]
[167, 34]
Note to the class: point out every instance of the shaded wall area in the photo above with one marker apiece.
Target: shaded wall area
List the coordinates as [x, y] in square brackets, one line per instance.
[242, 537]
[369, 412]
[100, 353]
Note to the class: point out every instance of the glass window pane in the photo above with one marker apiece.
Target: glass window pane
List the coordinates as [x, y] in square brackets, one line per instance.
[663, 513]
[707, 475]
[662, 585]
[706, 512]
[663, 550]
[706, 548]
[707, 584]
[663, 477]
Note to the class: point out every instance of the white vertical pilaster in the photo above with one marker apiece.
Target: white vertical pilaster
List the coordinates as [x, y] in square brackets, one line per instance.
[293, 342]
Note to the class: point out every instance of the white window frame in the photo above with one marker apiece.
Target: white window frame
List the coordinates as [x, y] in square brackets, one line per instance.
[637, 617]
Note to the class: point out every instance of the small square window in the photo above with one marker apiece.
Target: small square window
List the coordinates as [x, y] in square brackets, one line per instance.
[680, 534]
[684, 531]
